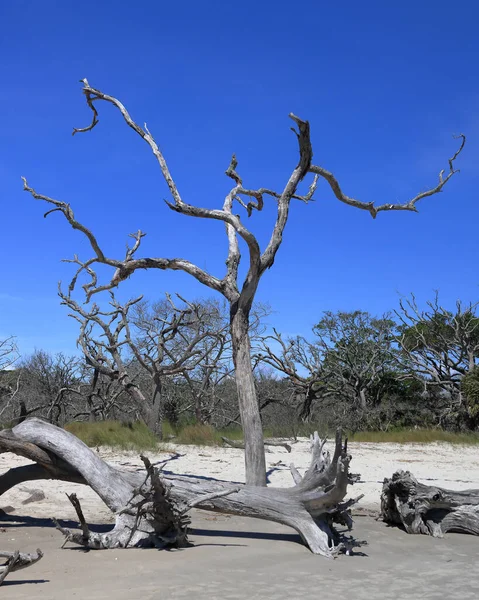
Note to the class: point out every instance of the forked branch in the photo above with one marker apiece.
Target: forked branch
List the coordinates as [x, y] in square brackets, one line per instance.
[228, 286]
[248, 198]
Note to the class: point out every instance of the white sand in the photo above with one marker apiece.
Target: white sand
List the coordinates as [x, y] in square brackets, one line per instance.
[442, 464]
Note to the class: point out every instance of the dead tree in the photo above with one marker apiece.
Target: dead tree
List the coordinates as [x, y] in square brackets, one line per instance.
[150, 507]
[8, 352]
[9, 385]
[428, 509]
[239, 294]
[207, 329]
[174, 343]
[302, 363]
[103, 399]
[8, 392]
[52, 386]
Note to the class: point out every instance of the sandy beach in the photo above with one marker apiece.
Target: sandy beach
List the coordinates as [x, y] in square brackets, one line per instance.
[236, 558]
[442, 464]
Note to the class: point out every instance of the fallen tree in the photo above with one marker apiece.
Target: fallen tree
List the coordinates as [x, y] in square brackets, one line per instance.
[428, 509]
[239, 444]
[151, 506]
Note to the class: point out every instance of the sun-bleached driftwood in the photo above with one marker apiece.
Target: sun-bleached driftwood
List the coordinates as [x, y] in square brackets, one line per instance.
[16, 561]
[151, 506]
[240, 444]
[426, 509]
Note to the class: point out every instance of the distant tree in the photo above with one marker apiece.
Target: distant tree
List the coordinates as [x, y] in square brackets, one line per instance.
[9, 379]
[53, 386]
[169, 341]
[239, 292]
[351, 359]
[207, 332]
[359, 357]
[439, 347]
[301, 362]
[8, 353]
[470, 390]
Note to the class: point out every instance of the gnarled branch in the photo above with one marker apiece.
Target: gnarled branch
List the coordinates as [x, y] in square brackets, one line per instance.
[16, 561]
[410, 205]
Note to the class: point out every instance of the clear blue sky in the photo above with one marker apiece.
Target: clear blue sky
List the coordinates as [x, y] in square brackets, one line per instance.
[384, 86]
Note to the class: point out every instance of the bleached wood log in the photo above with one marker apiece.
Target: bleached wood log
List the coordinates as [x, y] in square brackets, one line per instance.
[240, 444]
[429, 510]
[150, 506]
[16, 561]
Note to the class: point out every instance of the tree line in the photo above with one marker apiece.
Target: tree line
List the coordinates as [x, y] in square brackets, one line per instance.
[172, 360]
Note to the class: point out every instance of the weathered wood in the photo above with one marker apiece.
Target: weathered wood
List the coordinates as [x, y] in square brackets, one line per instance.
[255, 462]
[150, 506]
[16, 561]
[429, 510]
[241, 445]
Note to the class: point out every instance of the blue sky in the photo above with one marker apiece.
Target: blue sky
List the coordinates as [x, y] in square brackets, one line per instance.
[384, 85]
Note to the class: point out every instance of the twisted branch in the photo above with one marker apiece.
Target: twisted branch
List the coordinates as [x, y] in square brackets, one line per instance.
[410, 205]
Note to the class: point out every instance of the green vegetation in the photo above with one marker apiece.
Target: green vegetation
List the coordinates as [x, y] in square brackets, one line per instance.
[115, 434]
[470, 387]
[417, 436]
[205, 435]
[136, 436]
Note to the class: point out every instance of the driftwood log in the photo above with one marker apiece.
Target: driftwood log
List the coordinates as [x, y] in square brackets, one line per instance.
[151, 506]
[239, 444]
[428, 509]
[16, 561]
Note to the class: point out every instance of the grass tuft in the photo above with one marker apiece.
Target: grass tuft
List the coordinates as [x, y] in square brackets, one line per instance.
[115, 434]
[205, 435]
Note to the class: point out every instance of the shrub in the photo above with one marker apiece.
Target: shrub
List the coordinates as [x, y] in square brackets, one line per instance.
[115, 434]
[470, 388]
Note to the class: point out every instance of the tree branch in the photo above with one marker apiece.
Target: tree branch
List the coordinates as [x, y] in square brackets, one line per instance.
[304, 165]
[410, 205]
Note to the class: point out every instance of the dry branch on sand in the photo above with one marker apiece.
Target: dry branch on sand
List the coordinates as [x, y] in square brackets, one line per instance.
[239, 444]
[151, 507]
[16, 561]
[428, 509]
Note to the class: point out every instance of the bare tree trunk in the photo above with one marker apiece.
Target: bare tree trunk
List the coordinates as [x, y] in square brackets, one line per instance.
[198, 411]
[362, 399]
[255, 462]
[91, 395]
[151, 413]
[156, 424]
[305, 411]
